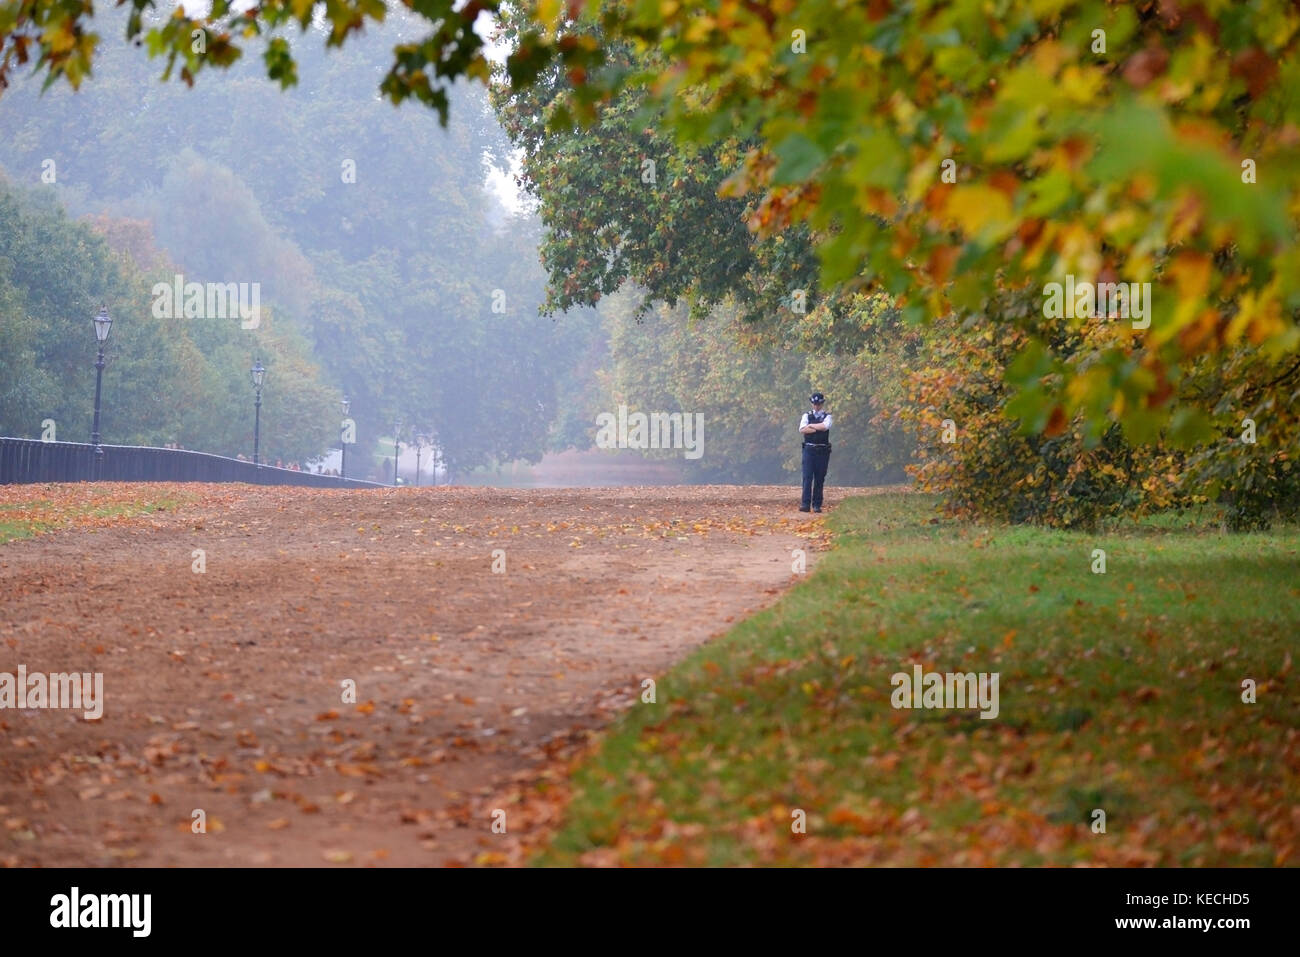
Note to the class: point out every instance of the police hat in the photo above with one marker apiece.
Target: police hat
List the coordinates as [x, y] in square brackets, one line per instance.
[817, 397]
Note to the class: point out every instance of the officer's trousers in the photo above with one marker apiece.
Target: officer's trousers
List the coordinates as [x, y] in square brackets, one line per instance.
[815, 460]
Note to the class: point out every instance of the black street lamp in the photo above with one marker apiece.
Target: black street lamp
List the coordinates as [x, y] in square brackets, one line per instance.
[346, 404]
[103, 324]
[259, 375]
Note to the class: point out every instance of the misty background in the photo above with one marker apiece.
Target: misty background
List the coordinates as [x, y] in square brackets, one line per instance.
[396, 266]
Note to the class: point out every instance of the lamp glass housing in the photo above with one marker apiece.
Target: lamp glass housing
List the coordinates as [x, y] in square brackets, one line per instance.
[103, 324]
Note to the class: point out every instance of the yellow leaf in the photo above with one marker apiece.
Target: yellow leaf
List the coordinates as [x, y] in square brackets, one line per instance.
[979, 209]
[547, 13]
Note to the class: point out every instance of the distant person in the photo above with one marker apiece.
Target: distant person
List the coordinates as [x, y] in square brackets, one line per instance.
[815, 427]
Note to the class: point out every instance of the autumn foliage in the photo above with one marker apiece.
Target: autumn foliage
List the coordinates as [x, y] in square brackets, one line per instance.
[951, 155]
[990, 465]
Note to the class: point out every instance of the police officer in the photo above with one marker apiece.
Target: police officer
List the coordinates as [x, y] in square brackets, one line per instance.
[815, 427]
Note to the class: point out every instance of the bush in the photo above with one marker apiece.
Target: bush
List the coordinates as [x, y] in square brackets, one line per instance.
[991, 465]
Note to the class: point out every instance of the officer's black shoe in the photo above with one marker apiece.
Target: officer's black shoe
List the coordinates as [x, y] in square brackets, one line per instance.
[817, 509]
[803, 508]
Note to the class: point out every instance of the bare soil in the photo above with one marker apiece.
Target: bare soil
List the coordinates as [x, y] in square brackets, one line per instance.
[225, 689]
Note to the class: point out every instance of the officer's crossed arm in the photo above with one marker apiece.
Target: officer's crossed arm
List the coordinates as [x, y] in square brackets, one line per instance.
[822, 426]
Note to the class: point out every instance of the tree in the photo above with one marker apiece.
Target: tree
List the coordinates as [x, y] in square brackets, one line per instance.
[424, 69]
[169, 379]
[664, 362]
[990, 466]
[951, 155]
[1110, 142]
[749, 389]
[377, 249]
[621, 200]
[958, 163]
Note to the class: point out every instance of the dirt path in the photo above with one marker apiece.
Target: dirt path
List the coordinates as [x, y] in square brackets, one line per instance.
[224, 689]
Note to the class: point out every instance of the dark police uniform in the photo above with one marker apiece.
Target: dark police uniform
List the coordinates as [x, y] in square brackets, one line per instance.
[816, 456]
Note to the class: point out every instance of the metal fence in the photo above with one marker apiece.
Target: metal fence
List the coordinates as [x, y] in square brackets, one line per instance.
[31, 460]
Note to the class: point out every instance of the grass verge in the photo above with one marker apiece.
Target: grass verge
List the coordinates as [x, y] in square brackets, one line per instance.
[1119, 692]
[27, 511]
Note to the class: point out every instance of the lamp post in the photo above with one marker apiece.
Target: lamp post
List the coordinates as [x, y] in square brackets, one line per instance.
[420, 439]
[397, 446]
[103, 324]
[343, 437]
[258, 374]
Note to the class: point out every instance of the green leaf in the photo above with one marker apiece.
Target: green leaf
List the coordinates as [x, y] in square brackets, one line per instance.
[797, 159]
[1189, 426]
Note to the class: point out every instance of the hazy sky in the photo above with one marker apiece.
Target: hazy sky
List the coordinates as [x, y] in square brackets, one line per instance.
[500, 182]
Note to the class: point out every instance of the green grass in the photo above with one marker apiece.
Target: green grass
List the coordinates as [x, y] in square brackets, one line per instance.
[29, 519]
[1119, 691]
